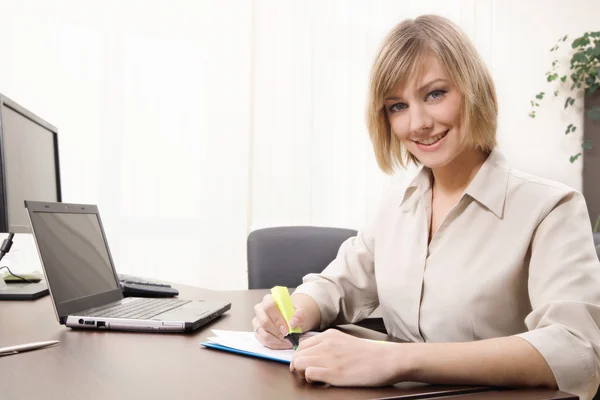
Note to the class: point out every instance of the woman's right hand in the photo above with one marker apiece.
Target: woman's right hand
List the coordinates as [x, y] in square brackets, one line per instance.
[270, 327]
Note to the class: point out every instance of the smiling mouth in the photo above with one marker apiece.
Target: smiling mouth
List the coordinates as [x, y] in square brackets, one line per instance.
[432, 140]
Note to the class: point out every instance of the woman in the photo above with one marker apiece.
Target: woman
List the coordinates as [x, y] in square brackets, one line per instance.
[489, 272]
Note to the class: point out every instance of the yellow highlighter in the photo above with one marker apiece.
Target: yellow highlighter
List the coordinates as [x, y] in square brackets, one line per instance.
[282, 298]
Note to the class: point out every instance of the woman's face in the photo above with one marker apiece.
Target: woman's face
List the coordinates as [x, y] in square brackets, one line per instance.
[426, 116]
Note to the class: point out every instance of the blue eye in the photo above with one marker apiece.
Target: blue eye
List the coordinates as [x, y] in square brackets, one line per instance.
[437, 94]
[397, 107]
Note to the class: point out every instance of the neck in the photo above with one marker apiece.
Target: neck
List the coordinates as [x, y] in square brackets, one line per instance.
[452, 179]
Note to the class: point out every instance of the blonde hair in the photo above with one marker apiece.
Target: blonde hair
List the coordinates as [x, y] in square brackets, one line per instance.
[401, 59]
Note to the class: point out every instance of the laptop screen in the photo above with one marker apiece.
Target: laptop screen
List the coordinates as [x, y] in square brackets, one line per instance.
[74, 254]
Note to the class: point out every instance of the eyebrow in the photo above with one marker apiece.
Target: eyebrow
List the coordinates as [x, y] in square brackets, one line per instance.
[422, 88]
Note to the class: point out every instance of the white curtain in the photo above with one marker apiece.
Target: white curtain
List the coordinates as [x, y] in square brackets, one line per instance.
[312, 161]
[151, 100]
[194, 122]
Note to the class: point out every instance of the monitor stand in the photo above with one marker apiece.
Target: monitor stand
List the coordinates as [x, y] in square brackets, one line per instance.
[23, 291]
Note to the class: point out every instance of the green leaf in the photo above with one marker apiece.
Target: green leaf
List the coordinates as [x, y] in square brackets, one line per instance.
[567, 102]
[593, 88]
[532, 114]
[564, 38]
[589, 81]
[568, 129]
[574, 158]
[581, 42]
[540, 95]
[595, 50]
[579, 57]
[586, 145]
[563, 78]
[597, 220]
[573, 129]
[572, 101]
[552, 77]
[555, 93]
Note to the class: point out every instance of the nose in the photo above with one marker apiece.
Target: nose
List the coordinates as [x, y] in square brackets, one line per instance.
[420, 120]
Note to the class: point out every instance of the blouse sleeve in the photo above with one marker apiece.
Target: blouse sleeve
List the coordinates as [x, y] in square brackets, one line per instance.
[564, 290]
[346, 291]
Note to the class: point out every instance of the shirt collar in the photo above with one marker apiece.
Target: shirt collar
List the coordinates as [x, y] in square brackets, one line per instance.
[488, 187]
[420, 184]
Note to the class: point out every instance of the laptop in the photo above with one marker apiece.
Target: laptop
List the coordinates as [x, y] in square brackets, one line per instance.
[84, 284]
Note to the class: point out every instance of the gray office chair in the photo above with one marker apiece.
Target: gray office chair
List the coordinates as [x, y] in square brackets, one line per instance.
[282, 256]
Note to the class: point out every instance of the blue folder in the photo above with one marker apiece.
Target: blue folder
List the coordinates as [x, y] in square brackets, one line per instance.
[242, 352]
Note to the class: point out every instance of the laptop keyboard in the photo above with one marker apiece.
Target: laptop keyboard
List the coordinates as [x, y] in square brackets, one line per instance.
[142, 309]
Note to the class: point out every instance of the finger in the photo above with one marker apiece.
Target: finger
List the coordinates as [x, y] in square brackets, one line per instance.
[255, 326]
[274, 314]
[298, 318]
[300, 364]
[318, 374]
[318, 349]
[268, 340]
[265, 322]
[311, 342]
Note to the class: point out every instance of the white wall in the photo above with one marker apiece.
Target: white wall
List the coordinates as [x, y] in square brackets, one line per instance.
[192, 122]
[523, 34]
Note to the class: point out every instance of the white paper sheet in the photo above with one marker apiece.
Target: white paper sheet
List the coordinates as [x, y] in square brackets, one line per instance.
[246, 341]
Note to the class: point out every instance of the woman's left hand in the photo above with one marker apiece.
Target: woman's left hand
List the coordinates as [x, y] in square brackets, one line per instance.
[339, 359]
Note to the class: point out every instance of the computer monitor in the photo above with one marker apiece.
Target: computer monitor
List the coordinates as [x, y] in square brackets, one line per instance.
[29, 167]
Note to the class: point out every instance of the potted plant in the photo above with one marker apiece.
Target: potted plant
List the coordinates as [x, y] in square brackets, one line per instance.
[581, 81]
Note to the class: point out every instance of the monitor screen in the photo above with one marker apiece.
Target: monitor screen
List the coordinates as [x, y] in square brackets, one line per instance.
[30, 166]
[74, 254]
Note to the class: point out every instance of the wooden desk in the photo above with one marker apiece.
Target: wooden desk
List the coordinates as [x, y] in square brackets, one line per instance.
[119, 365]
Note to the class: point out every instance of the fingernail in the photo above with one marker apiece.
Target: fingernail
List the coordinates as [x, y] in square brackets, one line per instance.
[283, 330]
[294, 322]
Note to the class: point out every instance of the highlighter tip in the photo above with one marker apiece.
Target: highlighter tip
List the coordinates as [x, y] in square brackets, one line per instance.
[294, 338]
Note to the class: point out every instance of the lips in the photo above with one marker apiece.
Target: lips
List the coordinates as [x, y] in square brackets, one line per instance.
[432, 140]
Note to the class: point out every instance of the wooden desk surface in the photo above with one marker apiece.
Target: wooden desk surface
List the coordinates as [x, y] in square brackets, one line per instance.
[116, 365]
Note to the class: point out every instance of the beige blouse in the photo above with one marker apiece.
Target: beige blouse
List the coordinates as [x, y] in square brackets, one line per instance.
[515, 256]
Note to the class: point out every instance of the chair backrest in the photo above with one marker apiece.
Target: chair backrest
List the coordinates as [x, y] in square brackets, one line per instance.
[282, 256]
